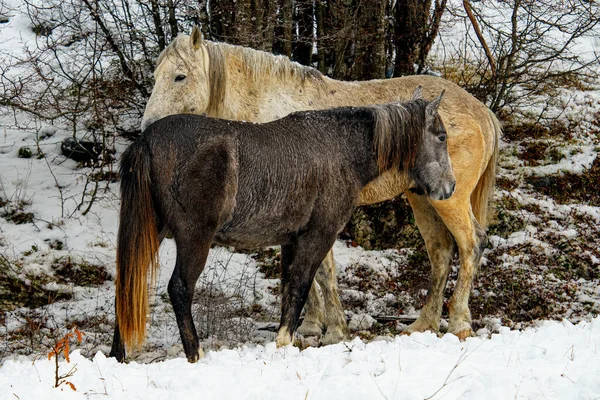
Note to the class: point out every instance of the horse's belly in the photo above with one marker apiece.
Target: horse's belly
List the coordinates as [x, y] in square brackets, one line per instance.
[243, 240]
[259, 230]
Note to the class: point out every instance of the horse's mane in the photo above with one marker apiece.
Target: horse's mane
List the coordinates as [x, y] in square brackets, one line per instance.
[397, 133]
[260, 63]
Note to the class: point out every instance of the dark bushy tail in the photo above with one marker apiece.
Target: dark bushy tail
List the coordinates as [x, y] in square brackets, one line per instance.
[137, 245]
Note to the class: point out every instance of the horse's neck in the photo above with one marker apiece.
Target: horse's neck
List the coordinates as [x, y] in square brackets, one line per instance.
[266, 97]
[263, 96]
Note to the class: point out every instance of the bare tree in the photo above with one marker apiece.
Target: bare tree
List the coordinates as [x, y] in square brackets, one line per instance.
[304, 39]
[416, 25]
[519, 51]
[89, 71]
[368, 50]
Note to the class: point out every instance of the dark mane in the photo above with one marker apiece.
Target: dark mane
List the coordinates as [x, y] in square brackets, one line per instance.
[397, 133]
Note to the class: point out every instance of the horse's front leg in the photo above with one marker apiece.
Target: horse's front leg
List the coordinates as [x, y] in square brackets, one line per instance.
[299, 263]
[471, 240]
[191, 258]
[440, 249]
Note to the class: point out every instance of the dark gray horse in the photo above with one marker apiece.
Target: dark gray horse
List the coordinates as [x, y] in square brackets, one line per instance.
[293, 182]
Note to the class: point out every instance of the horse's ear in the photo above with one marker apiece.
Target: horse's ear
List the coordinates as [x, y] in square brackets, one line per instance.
[435, 103]
[418, 93]
[196, 38]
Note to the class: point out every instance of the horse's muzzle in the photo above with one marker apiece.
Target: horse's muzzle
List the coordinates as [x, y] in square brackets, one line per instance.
[443, 193]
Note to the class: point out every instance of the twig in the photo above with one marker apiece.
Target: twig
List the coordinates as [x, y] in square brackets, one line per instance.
[390, 318]
[378, 387]
[62, 200]
[8, 263]
[101, 378]
[462, 358]
[87, 210]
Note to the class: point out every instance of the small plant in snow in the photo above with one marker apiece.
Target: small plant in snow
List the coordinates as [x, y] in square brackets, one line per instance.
[63, 346]
[12, 208]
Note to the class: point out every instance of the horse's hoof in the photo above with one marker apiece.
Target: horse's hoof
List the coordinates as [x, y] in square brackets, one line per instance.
[309, 328]
[196, 357]
[333, 336]
[420, 326]
[461, 329]
[283, 337]
[118, 355]
[462, 335]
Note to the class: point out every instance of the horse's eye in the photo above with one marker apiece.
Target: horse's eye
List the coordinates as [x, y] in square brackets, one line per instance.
[179, 78]
[442, 138]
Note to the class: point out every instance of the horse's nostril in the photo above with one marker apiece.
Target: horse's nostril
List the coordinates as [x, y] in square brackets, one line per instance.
[453, 187]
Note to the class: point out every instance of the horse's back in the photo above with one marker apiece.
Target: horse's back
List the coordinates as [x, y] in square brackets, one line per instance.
[288, 169]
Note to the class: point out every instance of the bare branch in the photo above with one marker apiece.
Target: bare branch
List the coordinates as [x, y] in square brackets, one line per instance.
[488, 53]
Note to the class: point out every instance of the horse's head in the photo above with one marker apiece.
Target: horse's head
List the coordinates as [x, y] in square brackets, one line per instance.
[432, 170]
[181, 79]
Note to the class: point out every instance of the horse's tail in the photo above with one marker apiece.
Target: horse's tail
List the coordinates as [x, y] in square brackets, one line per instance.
[485, 187]
[137, 245]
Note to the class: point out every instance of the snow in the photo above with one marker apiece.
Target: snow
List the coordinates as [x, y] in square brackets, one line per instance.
[557, 360]
[577, 163]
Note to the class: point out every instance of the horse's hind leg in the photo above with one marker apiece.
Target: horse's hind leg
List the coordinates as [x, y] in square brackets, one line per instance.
[299, 264]
[335, 320]
[440, 249]
[324, 310]
[192, 251]
[314, 311]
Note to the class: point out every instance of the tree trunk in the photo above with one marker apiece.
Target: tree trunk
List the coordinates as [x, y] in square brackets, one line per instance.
[288, 24]
[269, 15]
[320, 13]
[371, 38]
[303, 42]
[410, 23]
[431, 34]
[341, 24]
[160, 33]
[172, 19]
[222, 20]
[245, 34]
[202, 19]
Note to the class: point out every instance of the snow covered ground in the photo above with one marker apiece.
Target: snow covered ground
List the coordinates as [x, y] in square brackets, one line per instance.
[554, 361]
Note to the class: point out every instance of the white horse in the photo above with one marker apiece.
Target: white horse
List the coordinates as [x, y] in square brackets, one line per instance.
[194, 75]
